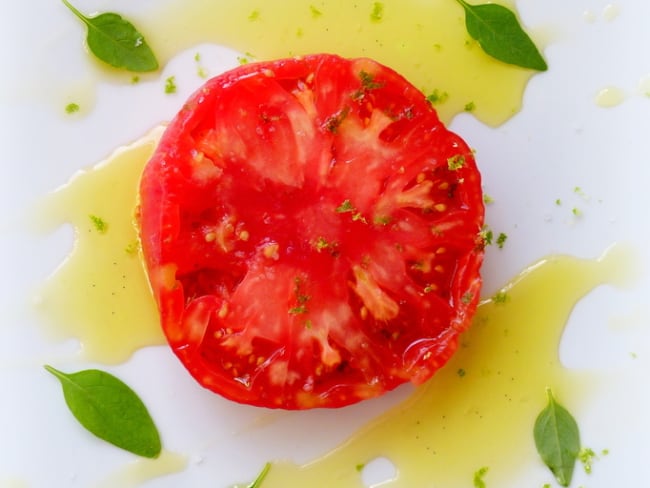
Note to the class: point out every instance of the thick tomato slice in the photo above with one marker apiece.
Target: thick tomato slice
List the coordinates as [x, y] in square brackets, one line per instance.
[311, 233]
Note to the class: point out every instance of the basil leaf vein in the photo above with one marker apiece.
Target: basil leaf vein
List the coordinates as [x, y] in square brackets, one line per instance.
[557, 439]
[117, 42]
[500, 35]
[108, 408]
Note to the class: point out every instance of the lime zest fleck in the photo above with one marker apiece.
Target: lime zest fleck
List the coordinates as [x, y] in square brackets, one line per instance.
[479, 482]
[455, 162]
[437, 97]
[170, 85]
[501, 240]
[377, 13]
[100, 224]
[501, 297]
[346, 206]
[72, 108]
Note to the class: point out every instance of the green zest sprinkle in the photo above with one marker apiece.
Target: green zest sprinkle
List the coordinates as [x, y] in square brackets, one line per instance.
[469, 107]
[321, 243]
[359, 467]
[301, 298]
[377, 12]
[200, 70]
[315, 13]
[586, 456]
[461, 372]
[368, 81]
[116, 41]
[382, 219]
[346, 206]
[456, 162]
[100, 224]
[110, 409]
[501, 240]
[501, 297]
[170, 85]
[254, 15]
[500, 35]
[132, 248]
[300, 309]
[487, 199]
[334, 121]
[478, 477]
[71, 108]
[557, 439]
[486, 235]
[437, 97]
[357, 216]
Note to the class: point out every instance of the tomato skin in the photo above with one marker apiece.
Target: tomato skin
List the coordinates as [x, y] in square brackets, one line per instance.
[311, 233]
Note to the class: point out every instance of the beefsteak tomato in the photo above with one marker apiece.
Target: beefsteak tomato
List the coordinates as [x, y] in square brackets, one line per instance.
[311, 233]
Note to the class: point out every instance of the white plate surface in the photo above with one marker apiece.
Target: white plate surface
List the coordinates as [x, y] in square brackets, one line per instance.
[561, 139]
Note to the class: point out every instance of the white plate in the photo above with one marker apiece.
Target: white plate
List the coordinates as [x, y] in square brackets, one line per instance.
[560, 140]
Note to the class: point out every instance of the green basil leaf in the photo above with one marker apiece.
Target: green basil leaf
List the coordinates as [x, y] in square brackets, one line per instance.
[498, 32]
[557, 439]
[117, 42]
[260, 477]
[108, 408]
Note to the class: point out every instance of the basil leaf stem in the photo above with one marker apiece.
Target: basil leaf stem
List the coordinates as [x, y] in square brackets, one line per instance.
[116, 41]
[110, 409]
[498, 32]
[260, 477]
[557, 439]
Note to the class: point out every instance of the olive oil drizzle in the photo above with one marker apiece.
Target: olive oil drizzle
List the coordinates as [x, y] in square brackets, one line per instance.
[479, 409]
[100, 294]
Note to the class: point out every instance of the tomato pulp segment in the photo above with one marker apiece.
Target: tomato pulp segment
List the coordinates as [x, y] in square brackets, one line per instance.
[311, 232]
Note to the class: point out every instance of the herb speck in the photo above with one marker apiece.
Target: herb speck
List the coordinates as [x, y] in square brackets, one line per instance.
[170, 85]
[377, 13]
[72, 108]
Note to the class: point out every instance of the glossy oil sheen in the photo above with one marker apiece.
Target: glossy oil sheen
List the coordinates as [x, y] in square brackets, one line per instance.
[100, 294]
[477, 411]
[425, 41]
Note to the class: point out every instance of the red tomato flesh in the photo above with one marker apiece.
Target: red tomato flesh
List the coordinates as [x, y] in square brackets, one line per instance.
[311, 233]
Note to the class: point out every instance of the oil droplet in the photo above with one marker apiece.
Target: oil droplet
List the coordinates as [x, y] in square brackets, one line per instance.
[610, 12]
[610, 96]
[424, 41]
[589, 16]
[100, 294]
[139, 472]
[479, 409]
[644, 86]
[13, 483]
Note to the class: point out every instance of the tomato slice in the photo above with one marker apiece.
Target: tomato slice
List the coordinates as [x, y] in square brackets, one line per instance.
[311, 233]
